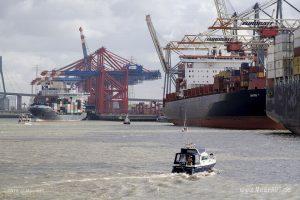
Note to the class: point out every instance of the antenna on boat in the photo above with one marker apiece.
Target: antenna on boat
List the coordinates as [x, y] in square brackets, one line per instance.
[184, 129]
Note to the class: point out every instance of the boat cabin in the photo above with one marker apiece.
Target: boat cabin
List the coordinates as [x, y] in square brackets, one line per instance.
[190, 156]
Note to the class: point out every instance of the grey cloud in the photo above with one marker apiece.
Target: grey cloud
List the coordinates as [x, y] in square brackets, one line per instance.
[45, 32]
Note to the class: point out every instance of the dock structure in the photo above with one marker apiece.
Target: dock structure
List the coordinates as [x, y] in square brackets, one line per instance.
[20, 95]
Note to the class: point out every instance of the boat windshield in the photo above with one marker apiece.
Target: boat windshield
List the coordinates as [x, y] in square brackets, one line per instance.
[197, 159]
[180, 158]
[204, 158]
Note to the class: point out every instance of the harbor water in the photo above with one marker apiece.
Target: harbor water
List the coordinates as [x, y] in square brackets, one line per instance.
[109, 160]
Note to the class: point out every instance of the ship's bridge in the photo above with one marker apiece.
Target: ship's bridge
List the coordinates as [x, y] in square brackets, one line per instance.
[201, 69]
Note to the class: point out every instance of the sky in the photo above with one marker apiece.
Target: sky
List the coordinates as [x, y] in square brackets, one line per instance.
[44, 33]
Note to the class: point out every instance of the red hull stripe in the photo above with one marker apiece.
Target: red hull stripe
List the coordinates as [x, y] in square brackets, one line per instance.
[233, 123]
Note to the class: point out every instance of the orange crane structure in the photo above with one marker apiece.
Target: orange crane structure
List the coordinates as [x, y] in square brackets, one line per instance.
[104, 75]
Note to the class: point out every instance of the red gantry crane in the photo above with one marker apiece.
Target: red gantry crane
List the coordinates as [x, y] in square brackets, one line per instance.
[104, 75]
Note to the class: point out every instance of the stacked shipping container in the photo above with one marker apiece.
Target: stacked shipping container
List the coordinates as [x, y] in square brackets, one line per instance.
[257, 83]
[270, 62]
[235, 80]
[280, 55]
[68, 106]
[152, 108]
[296, 61]
[245, 75]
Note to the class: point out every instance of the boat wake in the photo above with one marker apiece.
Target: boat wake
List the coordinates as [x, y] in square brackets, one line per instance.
[118, 185]
[149, 177]
[197, 176]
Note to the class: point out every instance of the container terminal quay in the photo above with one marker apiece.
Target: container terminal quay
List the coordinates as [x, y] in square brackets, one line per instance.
[241, 73]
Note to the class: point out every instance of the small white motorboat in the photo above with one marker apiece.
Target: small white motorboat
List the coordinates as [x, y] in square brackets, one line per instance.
[192, 160]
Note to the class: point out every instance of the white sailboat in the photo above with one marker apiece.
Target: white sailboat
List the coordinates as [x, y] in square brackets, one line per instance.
[126, 120]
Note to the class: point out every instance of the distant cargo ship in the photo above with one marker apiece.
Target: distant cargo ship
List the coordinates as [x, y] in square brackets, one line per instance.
[58, 101]
[234, 98]
[283, 80]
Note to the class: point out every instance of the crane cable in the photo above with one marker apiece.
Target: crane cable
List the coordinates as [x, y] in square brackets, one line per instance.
[231, 6]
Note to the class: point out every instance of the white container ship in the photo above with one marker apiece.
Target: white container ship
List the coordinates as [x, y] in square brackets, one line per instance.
[59, 101]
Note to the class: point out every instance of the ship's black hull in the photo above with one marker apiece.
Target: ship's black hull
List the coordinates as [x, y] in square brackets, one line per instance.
[244, 109]
[47, 113]
[283, 104]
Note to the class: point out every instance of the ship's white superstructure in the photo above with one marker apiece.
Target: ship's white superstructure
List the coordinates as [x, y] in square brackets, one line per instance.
[201, 71]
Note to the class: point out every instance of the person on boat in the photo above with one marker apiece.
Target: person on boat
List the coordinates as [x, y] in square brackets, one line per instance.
[190, 160]
[21, 118]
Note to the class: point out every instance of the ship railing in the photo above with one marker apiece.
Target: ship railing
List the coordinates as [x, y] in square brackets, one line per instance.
[51, 92]
[61, 93]
[287, 79]
[72, 94]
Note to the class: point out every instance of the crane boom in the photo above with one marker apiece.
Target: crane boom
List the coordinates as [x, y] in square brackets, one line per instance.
[156, 43]
[84, 50]
[222, 11]
[221, 8]
[191, 42]
[249, 12]
[250, 24]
